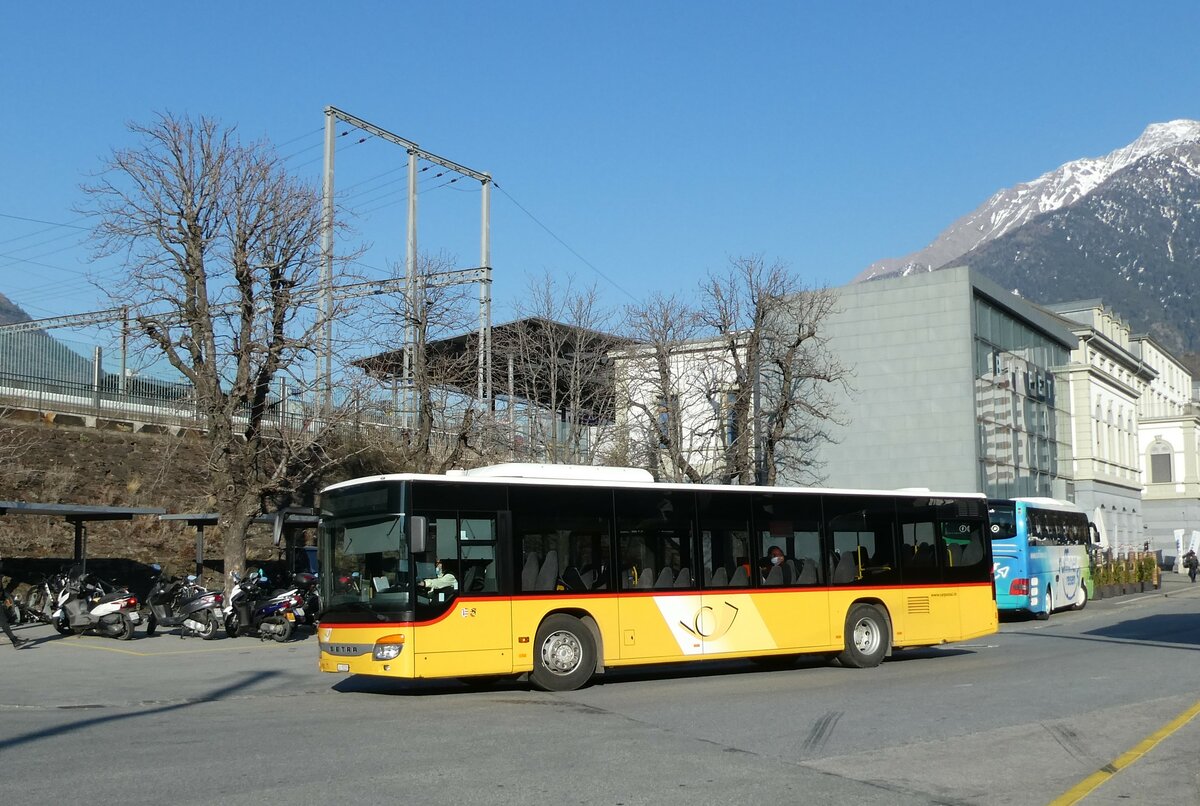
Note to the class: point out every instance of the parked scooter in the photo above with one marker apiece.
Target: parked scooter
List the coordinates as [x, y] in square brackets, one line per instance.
[306, 586]
[252, 609]
[88, 603]
[42, 597]
[176, 602]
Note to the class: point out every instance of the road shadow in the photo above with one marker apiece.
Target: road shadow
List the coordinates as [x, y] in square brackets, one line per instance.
[1169, 628]
[59, 730]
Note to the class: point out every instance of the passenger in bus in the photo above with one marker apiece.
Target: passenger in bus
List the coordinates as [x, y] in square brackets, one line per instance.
[774, 560]
[441, 580]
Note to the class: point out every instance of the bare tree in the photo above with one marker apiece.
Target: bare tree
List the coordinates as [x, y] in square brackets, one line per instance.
[780, 400]
[221, 249]
[433, 377]
[558, 353]
[664, 389]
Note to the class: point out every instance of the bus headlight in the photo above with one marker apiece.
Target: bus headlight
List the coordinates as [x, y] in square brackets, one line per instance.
[388, 647]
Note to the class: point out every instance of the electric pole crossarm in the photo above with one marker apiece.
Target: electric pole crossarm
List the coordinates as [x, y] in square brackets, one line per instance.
[72, 320]
[371, 128]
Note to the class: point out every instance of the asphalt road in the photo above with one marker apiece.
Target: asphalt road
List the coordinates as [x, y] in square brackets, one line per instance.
[1021, 717]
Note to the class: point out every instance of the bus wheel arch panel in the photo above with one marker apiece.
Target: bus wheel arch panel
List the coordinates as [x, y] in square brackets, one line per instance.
[868, 636]
[564, 654]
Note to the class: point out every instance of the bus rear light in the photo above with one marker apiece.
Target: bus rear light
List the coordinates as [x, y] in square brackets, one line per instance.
[1019, 587]
[388, 647]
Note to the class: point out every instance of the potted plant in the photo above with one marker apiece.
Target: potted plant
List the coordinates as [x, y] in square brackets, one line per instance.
[1121, 577]
[1108, 579]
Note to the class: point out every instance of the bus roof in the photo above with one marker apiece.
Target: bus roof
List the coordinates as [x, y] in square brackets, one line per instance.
[625, 477]
[1048, 503]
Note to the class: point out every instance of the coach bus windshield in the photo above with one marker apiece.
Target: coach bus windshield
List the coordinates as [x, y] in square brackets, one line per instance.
[1003, 517]
[366, 569]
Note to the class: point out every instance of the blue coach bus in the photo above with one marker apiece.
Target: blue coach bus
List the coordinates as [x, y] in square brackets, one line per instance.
[1040, 555]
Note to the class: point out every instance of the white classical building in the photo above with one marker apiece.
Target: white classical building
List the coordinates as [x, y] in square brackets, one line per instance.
[1105, 381]
[1168, 448]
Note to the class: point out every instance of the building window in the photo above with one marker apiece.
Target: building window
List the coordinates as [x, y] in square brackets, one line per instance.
[1161, 461]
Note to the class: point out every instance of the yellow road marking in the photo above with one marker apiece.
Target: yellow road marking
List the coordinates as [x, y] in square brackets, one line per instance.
[1087, 785]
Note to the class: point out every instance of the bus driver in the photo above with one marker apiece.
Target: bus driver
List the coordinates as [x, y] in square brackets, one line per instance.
[441, 579]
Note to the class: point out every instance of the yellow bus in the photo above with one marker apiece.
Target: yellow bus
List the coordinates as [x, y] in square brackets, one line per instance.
[563, 572]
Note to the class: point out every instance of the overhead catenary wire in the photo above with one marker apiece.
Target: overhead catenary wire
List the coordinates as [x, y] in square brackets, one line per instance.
[565, 245]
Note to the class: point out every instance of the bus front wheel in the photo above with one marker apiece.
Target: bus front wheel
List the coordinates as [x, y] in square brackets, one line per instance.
[867, 637]
[565, 655]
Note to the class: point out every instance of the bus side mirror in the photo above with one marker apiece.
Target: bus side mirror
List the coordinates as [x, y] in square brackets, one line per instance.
[416, 534]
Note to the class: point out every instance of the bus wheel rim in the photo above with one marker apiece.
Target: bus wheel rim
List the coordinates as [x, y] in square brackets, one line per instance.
[561, 652]
[866, 636]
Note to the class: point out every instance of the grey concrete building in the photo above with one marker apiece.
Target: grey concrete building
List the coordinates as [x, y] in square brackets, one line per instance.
[954, 388]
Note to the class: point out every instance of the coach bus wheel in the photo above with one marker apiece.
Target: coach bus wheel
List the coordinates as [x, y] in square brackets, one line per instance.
[1042, 616]
[866, 637]
[564, 655]
[1083, 596]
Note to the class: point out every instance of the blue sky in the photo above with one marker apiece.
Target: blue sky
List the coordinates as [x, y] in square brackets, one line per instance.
[655, 139]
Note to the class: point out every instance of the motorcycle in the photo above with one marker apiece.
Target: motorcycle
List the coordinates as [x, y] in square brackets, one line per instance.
[176, 602]
[252, 608]
[306, 585]
[89, 604]
[42, 597]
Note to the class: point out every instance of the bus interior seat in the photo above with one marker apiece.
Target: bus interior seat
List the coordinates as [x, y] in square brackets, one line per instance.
[471, 579]
[844, 571]
[790, 573]
[972, 553]
[740, 577]
[645, 579]
[529, 571]
[684, 578]
[573, 580]
[954, 552]
[588, 578]
[548, 575]
[924, 556]
[666, 578]
[808, 572]
[720, 578]
[774, 576]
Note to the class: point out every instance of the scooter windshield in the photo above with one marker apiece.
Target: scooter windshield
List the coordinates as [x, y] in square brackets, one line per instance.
[369, 576]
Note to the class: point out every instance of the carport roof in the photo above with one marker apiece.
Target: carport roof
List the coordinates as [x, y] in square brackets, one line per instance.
[290, 518]
[76, 512]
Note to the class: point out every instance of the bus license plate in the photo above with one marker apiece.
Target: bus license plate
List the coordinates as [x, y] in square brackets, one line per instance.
[343, 667]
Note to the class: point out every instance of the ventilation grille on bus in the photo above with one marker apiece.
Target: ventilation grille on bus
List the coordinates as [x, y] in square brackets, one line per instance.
[971, 508]
[918, 605]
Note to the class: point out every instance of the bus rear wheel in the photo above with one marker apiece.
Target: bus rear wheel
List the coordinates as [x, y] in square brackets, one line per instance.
[564, 654]
[1083, 598]
[1042, 616]
[867, 637]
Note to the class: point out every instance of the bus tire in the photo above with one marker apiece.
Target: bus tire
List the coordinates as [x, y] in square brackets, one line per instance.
[1083, 598]
[868, 637]
[1042, 615]
[564, 654]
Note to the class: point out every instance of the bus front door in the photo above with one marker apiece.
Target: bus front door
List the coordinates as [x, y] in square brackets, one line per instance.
[469, 630]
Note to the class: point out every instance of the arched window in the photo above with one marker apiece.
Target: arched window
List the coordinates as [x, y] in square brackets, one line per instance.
[1161, 461]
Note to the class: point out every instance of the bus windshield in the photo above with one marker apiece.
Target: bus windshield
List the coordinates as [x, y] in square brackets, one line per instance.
[1003, 518]
[369, 569]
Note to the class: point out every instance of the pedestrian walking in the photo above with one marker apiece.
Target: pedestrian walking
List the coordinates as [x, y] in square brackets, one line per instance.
[1192, 564]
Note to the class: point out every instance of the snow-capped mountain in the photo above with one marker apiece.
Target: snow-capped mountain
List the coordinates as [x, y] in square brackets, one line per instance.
[1014, 207]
